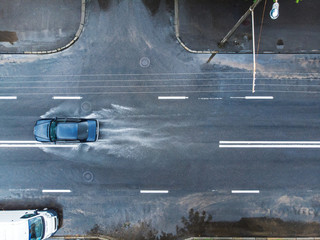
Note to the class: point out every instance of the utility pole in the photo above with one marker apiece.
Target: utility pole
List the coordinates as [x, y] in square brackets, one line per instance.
[254, 54]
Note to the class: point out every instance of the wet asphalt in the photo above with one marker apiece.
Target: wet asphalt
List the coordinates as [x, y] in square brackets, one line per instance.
[125, 61]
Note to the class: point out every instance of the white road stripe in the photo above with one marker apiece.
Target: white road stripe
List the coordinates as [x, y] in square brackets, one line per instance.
[245, 191]
[269, 146]
[209, 98]
[13, 141]
[172, 97]
[255, 97]
[66, 97]
[269, 142]
[56, 191]
[22, 189]
[38, 145]
[8, 97]
[154, 191]
[259, 97]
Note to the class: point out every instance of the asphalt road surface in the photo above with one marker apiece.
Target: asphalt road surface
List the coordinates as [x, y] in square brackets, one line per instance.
[164, 124]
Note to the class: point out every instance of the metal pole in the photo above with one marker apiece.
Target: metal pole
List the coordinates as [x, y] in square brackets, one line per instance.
[225, 39]
[254, 54]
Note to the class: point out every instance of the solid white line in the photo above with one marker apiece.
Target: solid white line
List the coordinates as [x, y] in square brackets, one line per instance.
[56, 191]
[154, 191]
[270, 142]
[259, 97]
[269, 146]
[245, 191]
[66, 97]
[172, 97]
[8, 97]
[5, 141]
[37, 145]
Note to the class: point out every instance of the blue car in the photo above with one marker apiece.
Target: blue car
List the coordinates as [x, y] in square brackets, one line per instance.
[66, 130]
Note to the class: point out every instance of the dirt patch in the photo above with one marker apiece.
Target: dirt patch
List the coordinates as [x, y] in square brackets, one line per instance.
[6, 36]
[264, 227]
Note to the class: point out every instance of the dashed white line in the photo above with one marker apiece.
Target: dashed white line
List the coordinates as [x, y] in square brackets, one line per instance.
[8, 97]
[56, 191]
[209, 98]
[66, 97]
[259, 97]
[154, 191]
[245, 191]
[172, 97]
[255, 97]
[21, 189]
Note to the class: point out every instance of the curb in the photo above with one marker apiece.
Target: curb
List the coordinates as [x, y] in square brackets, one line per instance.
[192, 238]
[177, 32]
[76, 37]
[76, 237]
[253, 238]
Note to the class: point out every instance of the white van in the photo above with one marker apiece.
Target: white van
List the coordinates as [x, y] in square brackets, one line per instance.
[28, 224]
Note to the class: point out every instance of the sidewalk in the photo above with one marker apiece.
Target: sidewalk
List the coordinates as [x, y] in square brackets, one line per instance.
[38, 25]
[203, 23]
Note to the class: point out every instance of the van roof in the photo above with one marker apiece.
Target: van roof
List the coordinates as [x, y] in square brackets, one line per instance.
[13, 215]
[14, 230]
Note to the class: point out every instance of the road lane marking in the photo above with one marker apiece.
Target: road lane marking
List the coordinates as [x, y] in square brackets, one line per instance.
[56, 191]
[172, 97]
[66, 97]
[154, 191]
[38, 145]
[245, 191]
[22, 189]
[269, 144]
[8, 97]
[259, 97]
[254, 97]
[209, 98]
[150, 92]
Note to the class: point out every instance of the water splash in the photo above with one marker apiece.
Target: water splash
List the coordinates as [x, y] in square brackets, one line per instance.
[121, 134]
[63, 110]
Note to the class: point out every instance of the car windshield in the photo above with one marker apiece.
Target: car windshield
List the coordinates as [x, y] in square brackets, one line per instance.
[53, 130]
[36, 228]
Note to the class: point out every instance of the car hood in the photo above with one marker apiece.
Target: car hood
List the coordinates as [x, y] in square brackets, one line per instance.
[41, 130]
